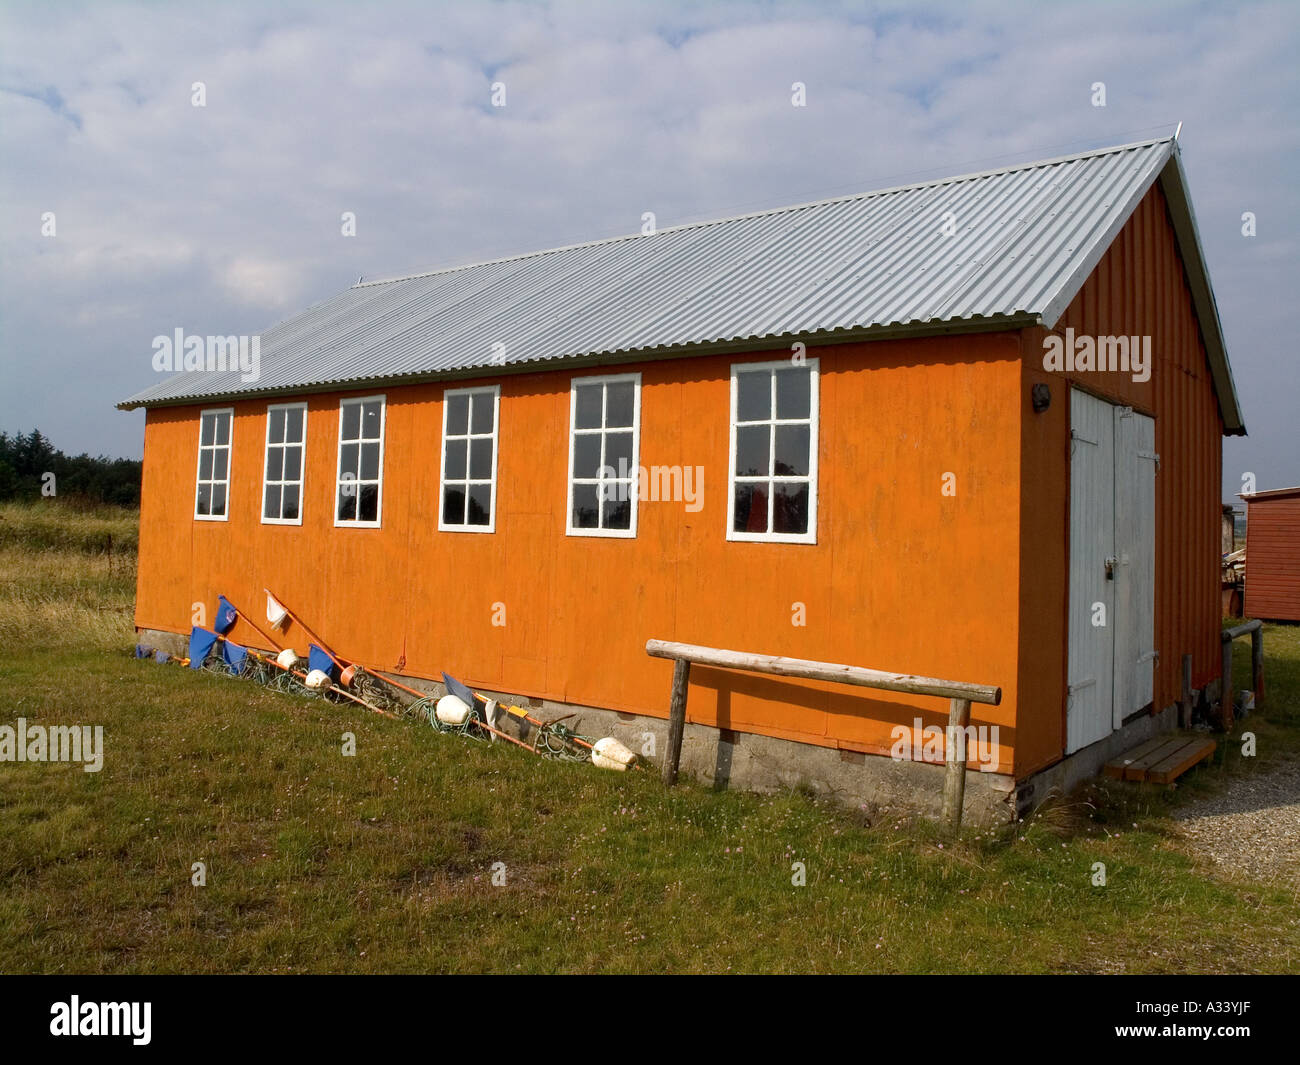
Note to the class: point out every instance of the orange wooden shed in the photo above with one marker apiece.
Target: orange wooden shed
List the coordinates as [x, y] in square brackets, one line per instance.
[1273, 554]
[968, 429]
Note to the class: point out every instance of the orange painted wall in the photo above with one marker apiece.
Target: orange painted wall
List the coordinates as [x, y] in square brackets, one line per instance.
[1138, 288]
[901, 578]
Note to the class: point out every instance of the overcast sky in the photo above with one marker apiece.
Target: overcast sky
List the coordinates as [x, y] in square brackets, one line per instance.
[225, 219]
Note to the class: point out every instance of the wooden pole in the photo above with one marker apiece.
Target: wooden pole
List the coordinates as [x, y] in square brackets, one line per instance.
[1257, 664]
[1225, 700]
[954, 784]
[840, 674]
[676, 719]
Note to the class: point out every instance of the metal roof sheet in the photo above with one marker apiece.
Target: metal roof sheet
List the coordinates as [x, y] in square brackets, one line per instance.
[1023, 240]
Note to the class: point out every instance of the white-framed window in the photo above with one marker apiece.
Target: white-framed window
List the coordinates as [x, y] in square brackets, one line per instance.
[604, 454]
[212, 482]
[469, 459]
[359, 488]
[286, 447]
[772, 484]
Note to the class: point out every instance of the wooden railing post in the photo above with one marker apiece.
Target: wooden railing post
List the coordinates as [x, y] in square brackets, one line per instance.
[954, 783]
[676, 719]
[1225, 703]
[1257, 664]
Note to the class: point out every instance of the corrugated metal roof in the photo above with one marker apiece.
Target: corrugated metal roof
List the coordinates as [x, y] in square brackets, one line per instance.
[1023, 240]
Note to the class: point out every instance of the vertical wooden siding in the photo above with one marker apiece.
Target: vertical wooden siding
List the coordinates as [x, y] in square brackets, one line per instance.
[1139, 289]
[1273, 558]
[901, 578]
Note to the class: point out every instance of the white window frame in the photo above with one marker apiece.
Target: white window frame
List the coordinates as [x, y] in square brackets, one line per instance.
[481, 390]
[198, 463]
[814, 433]
[302, 466]
[342, 523]
[604, 379]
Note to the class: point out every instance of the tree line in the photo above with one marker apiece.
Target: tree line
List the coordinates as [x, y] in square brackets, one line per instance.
[32, 467]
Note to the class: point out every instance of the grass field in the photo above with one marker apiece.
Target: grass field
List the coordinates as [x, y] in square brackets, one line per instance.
[382, 862]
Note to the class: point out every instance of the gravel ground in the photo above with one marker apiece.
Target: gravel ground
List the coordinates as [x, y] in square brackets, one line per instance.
[1252, 829]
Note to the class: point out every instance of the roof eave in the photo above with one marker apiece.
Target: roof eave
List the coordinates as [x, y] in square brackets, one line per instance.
[1169, 172]
[947, 327]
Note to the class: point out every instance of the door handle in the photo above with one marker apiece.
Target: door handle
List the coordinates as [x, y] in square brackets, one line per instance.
[1111, 563]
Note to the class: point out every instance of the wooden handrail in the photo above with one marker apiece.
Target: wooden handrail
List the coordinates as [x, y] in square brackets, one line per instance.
[840, 674]
[1255, 630]
[959, 694]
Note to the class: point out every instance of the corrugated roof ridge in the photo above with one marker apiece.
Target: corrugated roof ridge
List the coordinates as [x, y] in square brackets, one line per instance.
[788, 208]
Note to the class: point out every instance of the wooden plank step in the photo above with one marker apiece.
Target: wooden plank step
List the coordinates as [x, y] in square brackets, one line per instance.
[1162, 759]
[1134, 764]
[1116, 766]
[1192, 753]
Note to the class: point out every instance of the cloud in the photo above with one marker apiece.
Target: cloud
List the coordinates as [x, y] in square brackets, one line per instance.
[226, 218]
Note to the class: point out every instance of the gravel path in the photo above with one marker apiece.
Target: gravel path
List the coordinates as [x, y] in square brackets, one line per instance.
[1252, 829]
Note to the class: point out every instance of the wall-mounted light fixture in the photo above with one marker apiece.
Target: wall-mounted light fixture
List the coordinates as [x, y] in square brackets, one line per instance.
[1042, 398]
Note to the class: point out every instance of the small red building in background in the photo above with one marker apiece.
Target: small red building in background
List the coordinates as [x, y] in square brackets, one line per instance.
[1273, 554]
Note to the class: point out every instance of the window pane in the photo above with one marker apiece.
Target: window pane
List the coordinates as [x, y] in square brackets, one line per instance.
[792, 450]
[453, 505]
[753, 395]
[790, 508]
[617, 512]
[370, 421]
[205, 465]
[618, 453]
[619, 402]
[750, 513]
[348, 459]
[274, 463]
[454, 468]
[275, 426]
[203, 505]
[351, 420]
[219, 459]
[480, 458]
[292, 463]
[289, 507]
[482, 413]
[792, 393]
[223, 428]
[271, 502]
[370, 462]
[457, 415]
[207, 429]
[753, 443]
[586, 512]
[347, 502]
[586, 454]
[587, 407]
[480, 504]
[219, 499]
[368, 503]
[293, 425]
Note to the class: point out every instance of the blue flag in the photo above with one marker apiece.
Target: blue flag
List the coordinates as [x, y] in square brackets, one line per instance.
[226, 615]
[234, 655]
[201, 642]
[318, 659]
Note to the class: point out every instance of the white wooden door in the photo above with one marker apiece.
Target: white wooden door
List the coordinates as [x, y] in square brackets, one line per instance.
[1135, 574]
[1112, 567]
[1091, 676]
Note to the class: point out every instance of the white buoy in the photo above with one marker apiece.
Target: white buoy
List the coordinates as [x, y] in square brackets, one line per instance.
[451, 710]
[610, 754]
[286, 659]
[317, 679]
